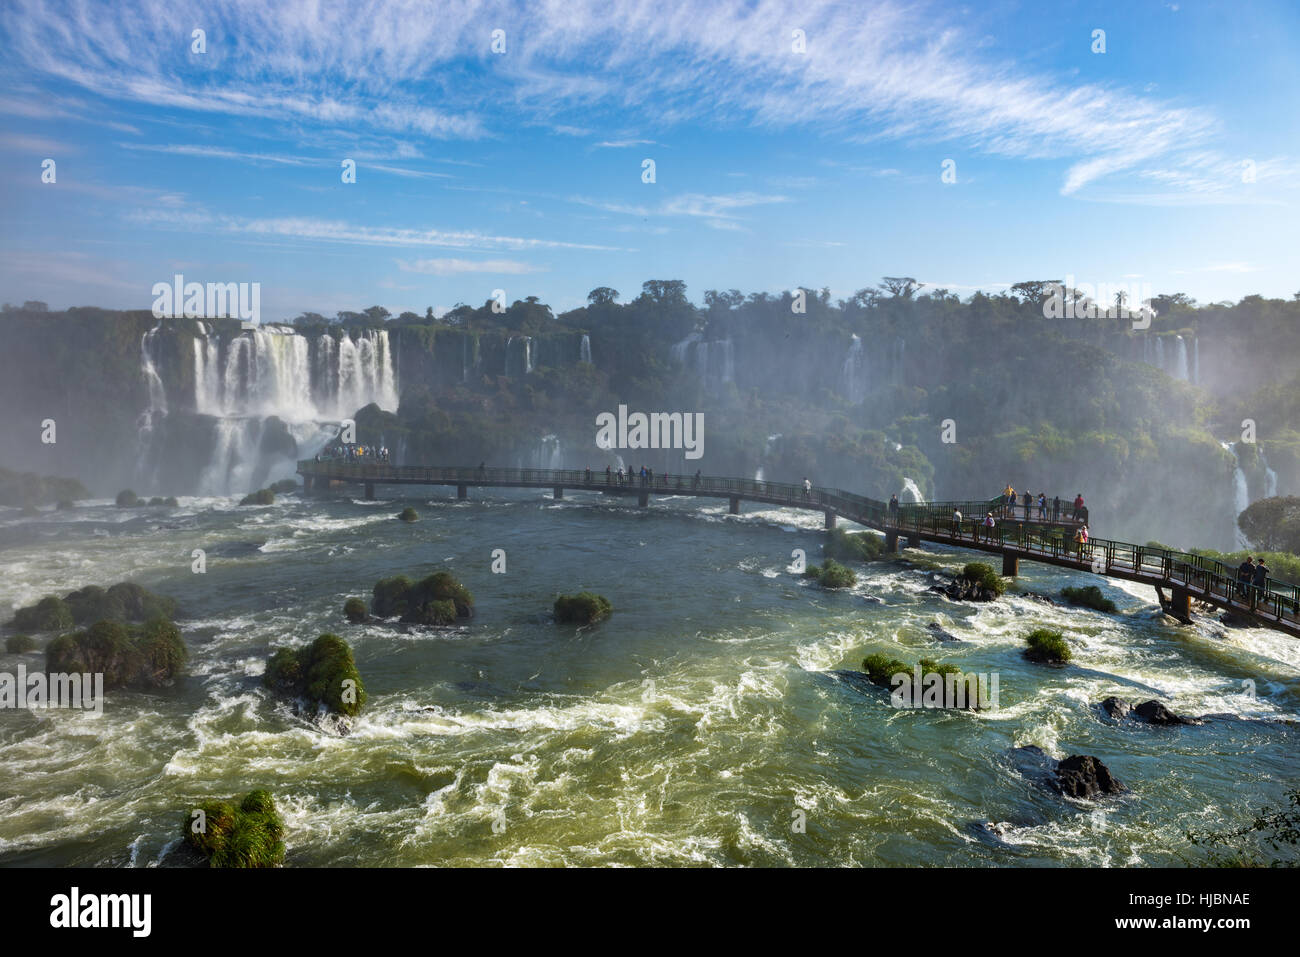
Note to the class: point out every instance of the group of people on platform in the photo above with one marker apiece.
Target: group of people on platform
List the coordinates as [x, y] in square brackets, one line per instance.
[644, 478]
[353, 453]
[985, 529]
[1047, 511]
[1252, 578]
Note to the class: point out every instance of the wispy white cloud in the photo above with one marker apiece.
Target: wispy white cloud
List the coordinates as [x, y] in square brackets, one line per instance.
[452, 267]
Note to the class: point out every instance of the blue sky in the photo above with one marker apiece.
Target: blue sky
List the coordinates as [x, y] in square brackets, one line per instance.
[522, 170]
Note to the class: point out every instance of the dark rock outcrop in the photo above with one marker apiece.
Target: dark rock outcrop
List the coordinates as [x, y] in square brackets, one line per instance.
[1117, 708]
[940, 634]
[1152, 712]
[1084, 776]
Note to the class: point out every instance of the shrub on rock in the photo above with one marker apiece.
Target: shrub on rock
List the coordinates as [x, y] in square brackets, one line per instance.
[324, 674]
[408, 514]
[147, 656]
[127, 499]
[437, 599]
[250, 835]
[355, 610]
[284, 486]
[1089, 597]
[261, 497]
[584, 608]
[49, 614]
[832, 574]
[1047, 647]
[20, 644]
[389, 598]
[984, 575]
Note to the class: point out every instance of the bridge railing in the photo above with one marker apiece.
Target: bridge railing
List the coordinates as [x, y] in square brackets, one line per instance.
[1208, 575]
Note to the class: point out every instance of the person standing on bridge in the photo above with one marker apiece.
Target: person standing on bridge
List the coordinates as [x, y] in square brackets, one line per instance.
[807, 487]
[607, 474]
[1042, 507]
[1078, 507]
[893, 508]
[1261, 579]
[990, 523]
[956, 522]
[1056, 508]
[1008, 497]
[696, 483]
[1245, 577]
[1081, 540]
[1028, 500]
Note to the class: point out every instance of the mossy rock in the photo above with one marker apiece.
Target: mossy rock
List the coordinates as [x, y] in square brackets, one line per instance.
[1047, 647]
[64, 504]
[49, 614]
[408, 514]
[355, 610]
[20, 644]
[1089, 597]
[125, 601]
[881, 668]
[847, 546]
[584, 608]
[834, 575]
[250, 835]
[127, 499]
[323, 673]
[148, 656]
[389, 597]
[284, 486]
[261, 497]
[984, 575]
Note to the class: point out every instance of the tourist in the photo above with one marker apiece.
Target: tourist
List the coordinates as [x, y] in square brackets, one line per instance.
[607, 474]
[956, 522]
[1261, 578]
[587, 472]
[807, 487]
[1081, 540]
[650, 477]
[620, 475]
[893, 508]
[1078, 507]
[1042, 507]
[1056, 508]
[1028, 500]
[697, 479]
[1245, 577]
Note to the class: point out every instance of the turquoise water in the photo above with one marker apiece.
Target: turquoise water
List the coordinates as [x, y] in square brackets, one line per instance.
[701, 725]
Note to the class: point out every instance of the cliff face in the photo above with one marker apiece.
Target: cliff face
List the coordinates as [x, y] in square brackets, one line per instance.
[957, 398]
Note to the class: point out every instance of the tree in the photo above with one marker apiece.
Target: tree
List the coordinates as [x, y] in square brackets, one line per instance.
[310, 319]
[1272, 524]
[723, 300]
[377, 313]
[664, 292]
[35, 305]
[900, 287]
[428, 314]
[602, 296]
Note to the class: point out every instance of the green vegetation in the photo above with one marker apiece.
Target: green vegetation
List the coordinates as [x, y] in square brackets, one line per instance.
[284, 486]
[125, 601]
[263, 496]
[324, 674]
[847, 546]
[20, 644]
[1272, 839]
[49, 614]
[141, 656]
[250, 835]
[127, 499]
[832, 574]
[983, 575]
[19, 489]
[1047, 647]
[438, 599]
[408, 514]
[355, 610]
[583, 608]
[881, 669]
[1089, 597]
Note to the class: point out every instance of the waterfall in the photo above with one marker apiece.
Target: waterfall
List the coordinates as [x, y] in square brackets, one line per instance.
[1270, 476]
[854, 372]
[584, 349]
[547, 454]
[758, 475]
[910, 492]
[1160, 353]
[309, 384]
[1241, 494]
[147, 455]
[714, 360]
[519, 359]
[1180, 360]
[1196, 359]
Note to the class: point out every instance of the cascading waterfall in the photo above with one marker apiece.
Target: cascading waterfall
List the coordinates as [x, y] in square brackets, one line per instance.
[1241, 494]
[147, 423]
[1196, 360]
[519, 355]
[854, 372]
[1180, 360]
[584, 349]
[715, 360]
[1160, 352]
[1270, 476]
[911, 492]
[309, 384]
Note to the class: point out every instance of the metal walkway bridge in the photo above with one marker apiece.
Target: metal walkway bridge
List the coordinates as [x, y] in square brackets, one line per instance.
[1186, 577]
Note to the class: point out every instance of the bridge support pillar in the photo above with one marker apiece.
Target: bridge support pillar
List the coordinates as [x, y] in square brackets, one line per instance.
[370, 490]
[462, 492]
[306, 483]
[830, 519]
[643, 499]
[913, 541]
[1010, 565]
[1180, 605]
[735, 505]
[559, 493]
[891, 541]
